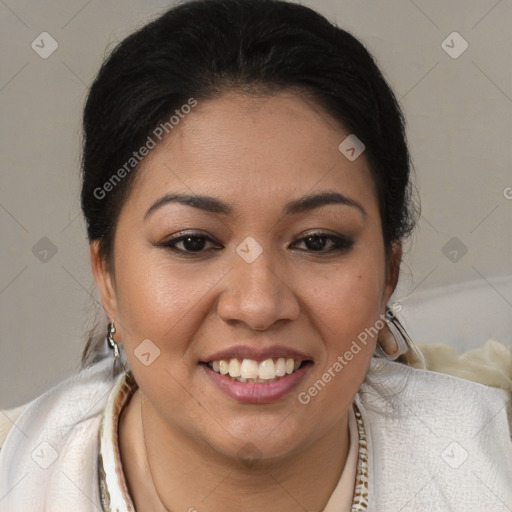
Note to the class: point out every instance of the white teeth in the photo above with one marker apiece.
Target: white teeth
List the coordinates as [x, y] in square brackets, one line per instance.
[267, 370]
[234, 368]
[280, 367]
[254, 371]
[249, 369]
[223, 367]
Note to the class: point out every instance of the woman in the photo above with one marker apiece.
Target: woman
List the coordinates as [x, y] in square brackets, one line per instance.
[246, 190]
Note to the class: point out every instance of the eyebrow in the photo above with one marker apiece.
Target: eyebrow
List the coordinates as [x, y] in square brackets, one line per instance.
[213, 205]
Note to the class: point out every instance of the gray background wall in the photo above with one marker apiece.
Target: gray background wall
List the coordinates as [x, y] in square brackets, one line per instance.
[459, 113]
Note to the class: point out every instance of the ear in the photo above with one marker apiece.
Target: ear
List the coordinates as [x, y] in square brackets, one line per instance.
[393, 270]
[385, 338]
[104, 280]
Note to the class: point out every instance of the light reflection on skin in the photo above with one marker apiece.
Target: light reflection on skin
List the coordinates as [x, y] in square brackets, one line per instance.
[256, 155]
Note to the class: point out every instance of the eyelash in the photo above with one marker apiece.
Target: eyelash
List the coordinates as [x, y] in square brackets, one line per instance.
[341, 244]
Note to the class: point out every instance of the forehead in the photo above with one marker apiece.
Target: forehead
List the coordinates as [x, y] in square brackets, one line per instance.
[253, 150]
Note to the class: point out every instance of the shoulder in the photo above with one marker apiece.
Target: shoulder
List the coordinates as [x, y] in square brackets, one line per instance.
[69, 403]
[489, 364]
[440, 435]
[413, 401]
[458, 388]
[59, 427]
[484, 374]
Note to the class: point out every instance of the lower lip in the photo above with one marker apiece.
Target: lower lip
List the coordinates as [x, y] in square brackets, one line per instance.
[257, 392]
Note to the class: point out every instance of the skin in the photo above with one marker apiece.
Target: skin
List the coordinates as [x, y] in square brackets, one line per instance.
[256, 154]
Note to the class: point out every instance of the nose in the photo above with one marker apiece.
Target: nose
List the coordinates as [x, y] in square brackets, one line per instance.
[256, 295]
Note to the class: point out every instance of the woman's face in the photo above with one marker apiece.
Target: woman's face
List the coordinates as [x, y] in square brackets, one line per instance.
[266, 274]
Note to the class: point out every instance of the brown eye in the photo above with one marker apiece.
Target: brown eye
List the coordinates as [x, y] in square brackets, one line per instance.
[189, 243]
[326, 243]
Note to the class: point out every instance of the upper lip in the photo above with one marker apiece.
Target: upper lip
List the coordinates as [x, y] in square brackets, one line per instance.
[257, 353]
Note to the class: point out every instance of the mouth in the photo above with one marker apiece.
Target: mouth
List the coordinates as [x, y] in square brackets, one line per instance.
[253, 371]
[260, 379]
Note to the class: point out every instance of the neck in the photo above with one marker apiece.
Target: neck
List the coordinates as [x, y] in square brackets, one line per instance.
[169, 471]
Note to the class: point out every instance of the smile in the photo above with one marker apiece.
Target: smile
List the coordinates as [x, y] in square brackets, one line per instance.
[257, 382]
[250, 370]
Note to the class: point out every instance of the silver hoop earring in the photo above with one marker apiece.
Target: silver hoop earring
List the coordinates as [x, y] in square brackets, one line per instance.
[111, 329]
[399, 334]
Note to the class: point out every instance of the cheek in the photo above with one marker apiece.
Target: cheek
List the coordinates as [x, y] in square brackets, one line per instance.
[348, 296]
[347, 309]
[155, 296]
[347, 314]
[161, 302]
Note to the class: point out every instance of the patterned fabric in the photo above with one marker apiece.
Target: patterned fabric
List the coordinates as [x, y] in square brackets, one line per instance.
[114, 493]
[115, 496]
[360, 501]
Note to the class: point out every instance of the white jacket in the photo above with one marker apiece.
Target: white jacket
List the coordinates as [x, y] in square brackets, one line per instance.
[436, 443]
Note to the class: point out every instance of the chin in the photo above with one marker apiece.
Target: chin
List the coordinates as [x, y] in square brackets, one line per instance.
[264, 439]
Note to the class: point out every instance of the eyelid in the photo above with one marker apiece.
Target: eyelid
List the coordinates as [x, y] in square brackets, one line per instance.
[180, 235]
[170, 243]
[346, 241]
[321, 232]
